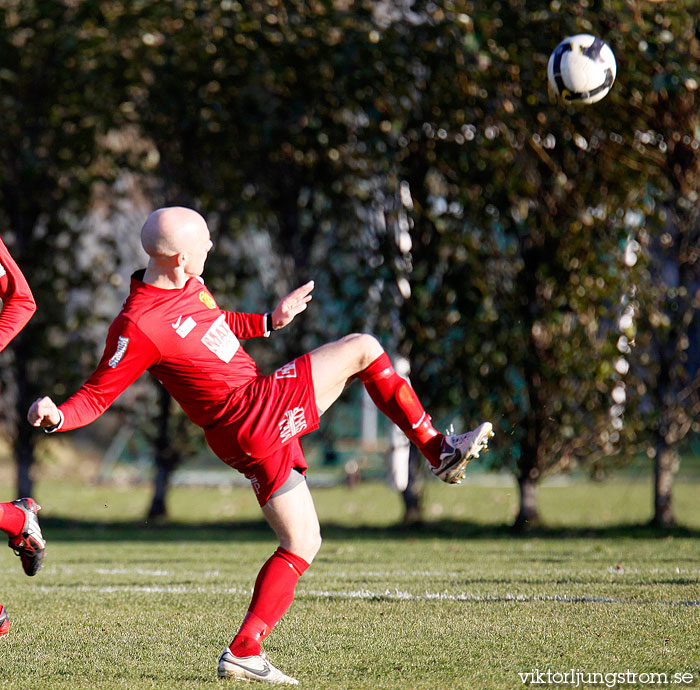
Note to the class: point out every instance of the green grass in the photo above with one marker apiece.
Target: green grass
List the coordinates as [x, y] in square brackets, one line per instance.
[458, 603]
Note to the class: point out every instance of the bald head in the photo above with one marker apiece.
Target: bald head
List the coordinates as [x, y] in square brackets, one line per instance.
[177, 242]
[170, 231]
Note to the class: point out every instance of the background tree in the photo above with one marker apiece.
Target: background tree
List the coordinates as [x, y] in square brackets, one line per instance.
[298, 127]
[665, 330]
[496, 299]
[267, 153]
[408, 158]
[521, 209]
[55, 108]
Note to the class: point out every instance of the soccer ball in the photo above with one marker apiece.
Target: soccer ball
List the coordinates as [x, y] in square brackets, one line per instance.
[581, 69]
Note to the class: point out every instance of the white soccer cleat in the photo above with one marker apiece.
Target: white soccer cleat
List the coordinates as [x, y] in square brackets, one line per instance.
[251, 668]
[458, 449]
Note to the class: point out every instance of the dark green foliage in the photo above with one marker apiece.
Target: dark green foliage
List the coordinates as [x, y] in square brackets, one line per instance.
[410, 159]
[55, 104]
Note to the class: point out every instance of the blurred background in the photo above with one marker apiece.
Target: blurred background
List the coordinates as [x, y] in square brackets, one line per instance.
[528, 263]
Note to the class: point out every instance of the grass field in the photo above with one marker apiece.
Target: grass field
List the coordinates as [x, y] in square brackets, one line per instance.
[459, 603]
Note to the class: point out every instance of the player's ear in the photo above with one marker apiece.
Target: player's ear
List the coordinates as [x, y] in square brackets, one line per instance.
[180, 258]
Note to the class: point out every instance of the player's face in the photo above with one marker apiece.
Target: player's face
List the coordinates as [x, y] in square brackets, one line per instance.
[197, 255]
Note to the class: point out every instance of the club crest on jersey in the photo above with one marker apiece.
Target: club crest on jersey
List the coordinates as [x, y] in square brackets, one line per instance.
[220, 340]
[288, 371]
[120, 351]
[293, 422]
[207, 299]
[2, 271]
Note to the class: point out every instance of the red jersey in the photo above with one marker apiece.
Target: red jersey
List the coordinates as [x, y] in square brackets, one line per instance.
[182, 337]
[18, 305]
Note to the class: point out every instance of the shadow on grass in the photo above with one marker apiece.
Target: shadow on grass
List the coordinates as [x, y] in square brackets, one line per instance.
[57, 529]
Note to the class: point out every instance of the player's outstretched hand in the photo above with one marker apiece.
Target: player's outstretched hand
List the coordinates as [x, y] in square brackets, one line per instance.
[294, 303]
[43, 412]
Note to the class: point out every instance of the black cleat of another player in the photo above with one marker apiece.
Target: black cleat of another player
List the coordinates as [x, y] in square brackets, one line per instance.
[4, 621]
[29, 544]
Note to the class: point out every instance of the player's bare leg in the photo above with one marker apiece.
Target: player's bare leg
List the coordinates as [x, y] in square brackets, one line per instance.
[334, 364]
[361, 355]
[292, 515]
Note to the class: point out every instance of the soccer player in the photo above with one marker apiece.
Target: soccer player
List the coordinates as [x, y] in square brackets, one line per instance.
[171, 325]
[18, 519]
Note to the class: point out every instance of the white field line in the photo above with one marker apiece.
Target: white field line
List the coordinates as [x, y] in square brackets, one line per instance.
[82, 570]
[133, 571]
[144, 589]
[369, 595]
[609, 570]
[398, 595]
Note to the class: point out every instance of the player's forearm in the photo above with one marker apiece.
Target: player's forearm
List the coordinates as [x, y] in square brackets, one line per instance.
[82, 408]
[244, 325]
[128, 353]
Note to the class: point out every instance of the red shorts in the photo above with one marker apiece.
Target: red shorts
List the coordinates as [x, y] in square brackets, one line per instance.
[260, 434]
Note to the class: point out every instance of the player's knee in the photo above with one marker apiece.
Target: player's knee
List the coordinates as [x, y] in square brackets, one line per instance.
[366, 348]
[315, 545]
[306, 546]
[313, 541]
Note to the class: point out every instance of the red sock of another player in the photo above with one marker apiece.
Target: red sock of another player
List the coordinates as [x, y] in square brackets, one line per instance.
[11, 519]
[272, 596]
[395, 397]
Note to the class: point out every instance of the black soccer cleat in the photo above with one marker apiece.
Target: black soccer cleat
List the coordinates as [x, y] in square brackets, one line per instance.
[29, 544]
[4, 621]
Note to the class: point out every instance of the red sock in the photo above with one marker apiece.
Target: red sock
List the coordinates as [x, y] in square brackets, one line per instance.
[395, 397]
[11, 519]
[272, 596]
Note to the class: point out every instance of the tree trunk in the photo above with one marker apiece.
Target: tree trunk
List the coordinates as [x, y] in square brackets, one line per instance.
[166, 458]
[528, 515]
[415, 491]
[25, 434]
[158, 507]
[664, 469]
[24, 454]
